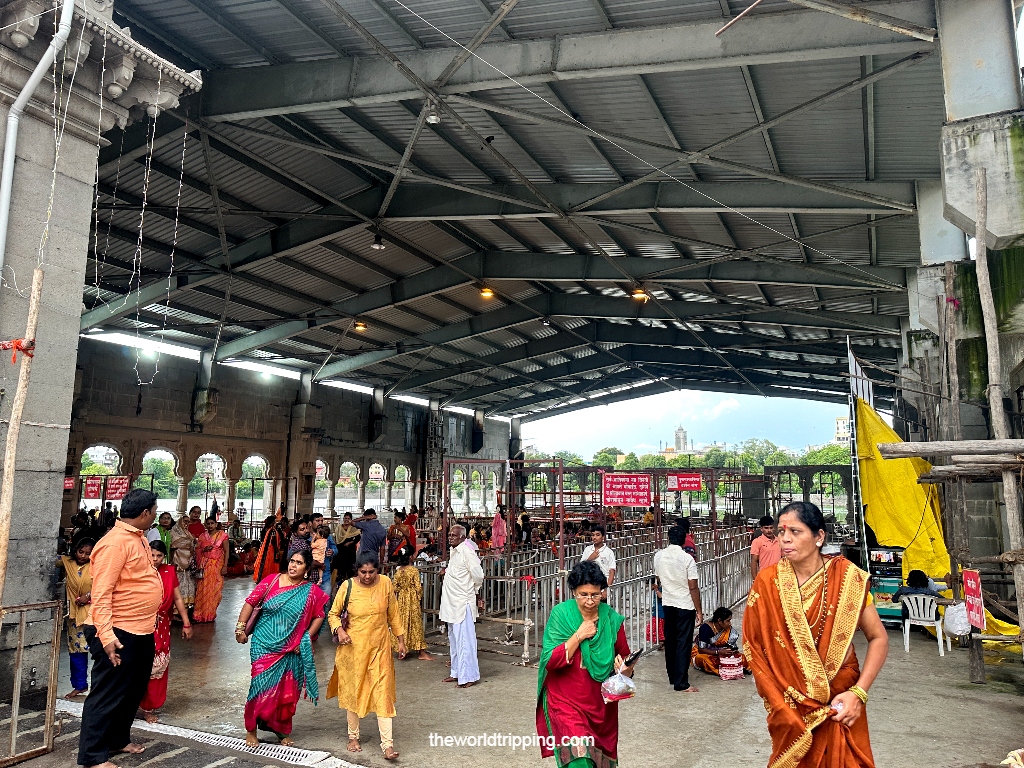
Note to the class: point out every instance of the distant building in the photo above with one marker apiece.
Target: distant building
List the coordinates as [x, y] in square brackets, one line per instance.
[210, 467]
[681, 442]
[842, 436]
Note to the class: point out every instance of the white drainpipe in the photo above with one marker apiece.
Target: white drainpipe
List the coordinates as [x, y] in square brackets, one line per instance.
[14, 116]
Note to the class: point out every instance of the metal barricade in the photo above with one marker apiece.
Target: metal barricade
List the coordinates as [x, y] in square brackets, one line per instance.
[41, 742]
[521, 588]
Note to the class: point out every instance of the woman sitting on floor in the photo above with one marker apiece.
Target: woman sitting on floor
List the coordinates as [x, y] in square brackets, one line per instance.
[716, 638]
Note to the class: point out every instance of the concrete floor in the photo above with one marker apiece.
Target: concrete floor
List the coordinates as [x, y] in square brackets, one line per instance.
[923, 712]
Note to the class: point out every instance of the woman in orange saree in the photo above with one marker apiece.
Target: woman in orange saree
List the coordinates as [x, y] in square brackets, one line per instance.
[798, 633]
[212, 557]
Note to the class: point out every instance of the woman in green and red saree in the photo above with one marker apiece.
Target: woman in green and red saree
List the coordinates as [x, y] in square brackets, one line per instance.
[282, 648]
[798, 628]
[584, 644]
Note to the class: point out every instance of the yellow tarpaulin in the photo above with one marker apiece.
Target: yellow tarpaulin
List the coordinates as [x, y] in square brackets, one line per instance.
[901, 511]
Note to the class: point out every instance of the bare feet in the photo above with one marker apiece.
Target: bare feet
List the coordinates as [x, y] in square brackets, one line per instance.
[468, 685]
[251, 739]
[129, 749]
[107, 764]
[353, 745]
[691, 689]
[150, 716]
[424, 656]
[450, 680]
[390, 754]
[286, 741]
[76, 693]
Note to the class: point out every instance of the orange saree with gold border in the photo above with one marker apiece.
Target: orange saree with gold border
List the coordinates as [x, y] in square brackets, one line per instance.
[801, 653]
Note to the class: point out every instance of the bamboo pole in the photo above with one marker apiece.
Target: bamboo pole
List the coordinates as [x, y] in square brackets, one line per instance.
[997, 415]
[14, 428]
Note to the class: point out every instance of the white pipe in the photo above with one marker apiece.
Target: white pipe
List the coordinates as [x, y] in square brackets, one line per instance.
[14, 116]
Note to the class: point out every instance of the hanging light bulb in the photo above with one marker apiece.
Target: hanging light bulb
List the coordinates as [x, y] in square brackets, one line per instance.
[640, 294]
[378, 243]
[545, 321]
[360, 326]
[433, 116]
[486, 293]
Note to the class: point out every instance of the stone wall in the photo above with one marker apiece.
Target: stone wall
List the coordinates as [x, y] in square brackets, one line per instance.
[254, 414]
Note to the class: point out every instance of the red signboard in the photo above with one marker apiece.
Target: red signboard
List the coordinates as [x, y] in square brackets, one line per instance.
[626, 490]
[93, 487]
[972, 596]
[118, 487]
[684, 482]
[69, 483]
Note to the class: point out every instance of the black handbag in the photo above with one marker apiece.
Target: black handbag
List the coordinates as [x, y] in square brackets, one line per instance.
[343, 617]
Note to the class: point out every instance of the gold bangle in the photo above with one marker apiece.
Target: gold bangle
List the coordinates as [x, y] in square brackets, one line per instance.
[859, 692]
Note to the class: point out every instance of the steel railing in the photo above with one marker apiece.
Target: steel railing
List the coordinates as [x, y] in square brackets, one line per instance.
[54, 609]
[520, 589]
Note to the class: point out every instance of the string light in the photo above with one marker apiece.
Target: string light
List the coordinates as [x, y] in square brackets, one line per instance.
[486, 293]
[640, 294]
[378, 243]
[360, 326]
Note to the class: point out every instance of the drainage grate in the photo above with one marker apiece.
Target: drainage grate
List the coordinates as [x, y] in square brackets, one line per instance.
[289, 755]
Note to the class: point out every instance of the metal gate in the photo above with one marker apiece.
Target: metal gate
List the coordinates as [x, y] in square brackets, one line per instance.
[34, 740]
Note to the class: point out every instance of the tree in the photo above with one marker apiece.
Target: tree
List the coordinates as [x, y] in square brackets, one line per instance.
[89, 467]
[652, 460]
[715, 457]
[756, 454]
[570, 459]
[631, 462]
[165, 484]
[827, 454]
[606, 457]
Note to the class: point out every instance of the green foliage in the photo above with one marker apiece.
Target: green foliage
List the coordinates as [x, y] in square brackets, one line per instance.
[631, 462]
[652, 460]
[606, 457]
[827, 454]
[570, 459]
[165, 484]
[91, 468]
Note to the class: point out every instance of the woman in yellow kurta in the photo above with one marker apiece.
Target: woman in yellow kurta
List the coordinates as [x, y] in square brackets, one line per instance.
[409, 593]
[78, 585]
[364, 669]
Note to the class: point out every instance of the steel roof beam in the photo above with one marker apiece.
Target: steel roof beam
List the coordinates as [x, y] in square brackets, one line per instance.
[425, 202]
[768, 38]
[599, 307]
[501, 265]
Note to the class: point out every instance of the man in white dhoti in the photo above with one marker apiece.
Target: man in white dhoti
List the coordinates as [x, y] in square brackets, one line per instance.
[460, 606]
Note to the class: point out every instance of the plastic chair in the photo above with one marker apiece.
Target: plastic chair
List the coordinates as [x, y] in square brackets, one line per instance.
[922, 614]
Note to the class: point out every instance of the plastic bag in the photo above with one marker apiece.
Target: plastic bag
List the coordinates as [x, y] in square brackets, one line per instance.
[617, 687]
[954, 620]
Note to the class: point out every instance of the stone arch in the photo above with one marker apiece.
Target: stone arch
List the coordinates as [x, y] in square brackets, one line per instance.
[255, 489]
[346, 486]
[99, 454]
[376, 484]
[403, 487]
[209, 481]
[155, 475]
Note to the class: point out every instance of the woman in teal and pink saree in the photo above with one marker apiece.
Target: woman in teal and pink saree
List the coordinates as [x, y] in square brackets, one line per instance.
[282, 650]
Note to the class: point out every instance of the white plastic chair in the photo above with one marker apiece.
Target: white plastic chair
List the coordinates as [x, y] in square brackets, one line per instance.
[922, 614]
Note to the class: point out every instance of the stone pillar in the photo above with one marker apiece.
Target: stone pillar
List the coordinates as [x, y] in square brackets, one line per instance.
[485, 481]
[465, 494]
[361, 496]
[305, 417]
[229, 500]
[182, 505]
[331, 495]
[388, 488]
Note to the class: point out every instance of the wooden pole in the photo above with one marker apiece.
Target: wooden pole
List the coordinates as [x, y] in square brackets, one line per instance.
[951, 448]
[997, 414]
[14, 428]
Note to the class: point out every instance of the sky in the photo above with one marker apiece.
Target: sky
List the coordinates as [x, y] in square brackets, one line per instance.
[708, 417]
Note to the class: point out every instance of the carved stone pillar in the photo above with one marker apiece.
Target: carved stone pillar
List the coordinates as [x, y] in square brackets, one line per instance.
[485, 482]
[465, 495]
[388, 489]
[331, 495]
[361, 496]
[229, 501]
[182, 504]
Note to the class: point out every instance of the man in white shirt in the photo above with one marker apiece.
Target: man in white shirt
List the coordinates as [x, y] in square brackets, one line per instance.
[460, 606]
[677, 573]
[600, 553]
